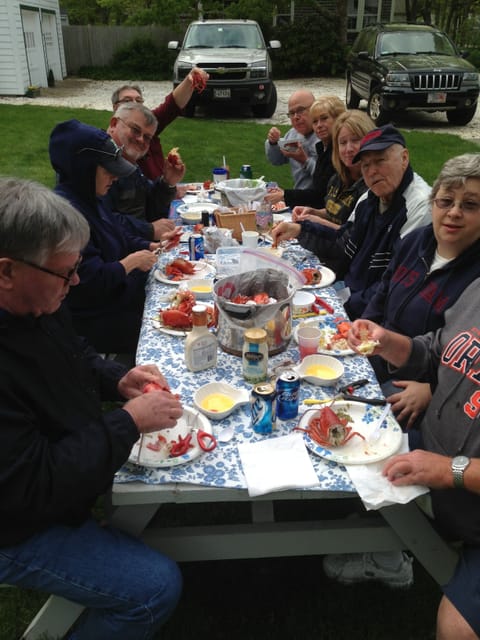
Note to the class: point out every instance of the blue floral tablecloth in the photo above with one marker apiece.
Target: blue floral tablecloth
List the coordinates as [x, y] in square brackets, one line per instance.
[222, 467]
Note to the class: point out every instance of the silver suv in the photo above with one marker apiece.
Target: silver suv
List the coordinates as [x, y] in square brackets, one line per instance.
[234, 54]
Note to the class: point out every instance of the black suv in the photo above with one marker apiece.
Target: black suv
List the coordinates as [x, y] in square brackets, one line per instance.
[400, 67]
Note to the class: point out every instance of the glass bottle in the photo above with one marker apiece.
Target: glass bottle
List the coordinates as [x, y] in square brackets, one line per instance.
[200, 344]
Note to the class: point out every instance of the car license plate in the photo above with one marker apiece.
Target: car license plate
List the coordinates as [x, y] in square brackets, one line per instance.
[221, 93]
[438, 98]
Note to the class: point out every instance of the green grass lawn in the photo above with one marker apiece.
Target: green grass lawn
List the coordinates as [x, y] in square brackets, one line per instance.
[285, 599]
[203, 143]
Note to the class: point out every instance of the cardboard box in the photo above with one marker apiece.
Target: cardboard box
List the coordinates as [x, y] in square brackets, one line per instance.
[233, 220]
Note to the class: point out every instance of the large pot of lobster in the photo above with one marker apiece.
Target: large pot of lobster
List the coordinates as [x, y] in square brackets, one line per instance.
[260, 298]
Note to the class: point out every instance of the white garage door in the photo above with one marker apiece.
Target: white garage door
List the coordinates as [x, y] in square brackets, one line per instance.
[33, 43]
[50, 39]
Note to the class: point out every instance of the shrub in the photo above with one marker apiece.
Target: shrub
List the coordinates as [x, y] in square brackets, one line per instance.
[140, 55]
[321, 53]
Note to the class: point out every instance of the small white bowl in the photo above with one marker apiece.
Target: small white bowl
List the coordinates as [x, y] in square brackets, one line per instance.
[192, 213]
[217, 400]
[201, 287]
[322, 370]
[302, 302]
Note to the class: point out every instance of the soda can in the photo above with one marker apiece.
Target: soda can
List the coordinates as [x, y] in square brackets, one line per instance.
[262, 405]
[246, 171]
[288, 392]
[195, 247]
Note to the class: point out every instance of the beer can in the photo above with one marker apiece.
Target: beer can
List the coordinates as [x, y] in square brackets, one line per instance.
[288, 391]
[246, 171]
[262, 405]
[195, 247]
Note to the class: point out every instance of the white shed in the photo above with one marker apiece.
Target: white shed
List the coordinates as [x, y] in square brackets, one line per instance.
[31, 45]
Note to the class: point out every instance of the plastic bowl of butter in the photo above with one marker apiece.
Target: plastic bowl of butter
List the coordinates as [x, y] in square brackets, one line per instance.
[201, 287]
[322, 370]
[217, 400]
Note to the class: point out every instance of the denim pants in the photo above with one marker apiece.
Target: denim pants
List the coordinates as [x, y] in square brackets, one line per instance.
[128, 589]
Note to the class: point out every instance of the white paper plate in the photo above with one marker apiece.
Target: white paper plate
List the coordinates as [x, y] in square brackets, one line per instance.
[328, 278]
[180, 333]
[202, 269]
[327, 331]
[148, 458]
[358, 451]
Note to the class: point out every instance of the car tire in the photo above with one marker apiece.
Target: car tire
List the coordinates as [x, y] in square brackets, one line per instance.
[266, 110]
[461, 116]
[375, 110]
[352, 99]
[189, 110]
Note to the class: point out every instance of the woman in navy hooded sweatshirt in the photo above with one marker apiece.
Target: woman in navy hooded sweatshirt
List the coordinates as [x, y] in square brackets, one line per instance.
[107, 305]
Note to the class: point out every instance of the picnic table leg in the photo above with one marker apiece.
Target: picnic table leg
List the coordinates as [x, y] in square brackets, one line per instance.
[427, 545]
[54, 619]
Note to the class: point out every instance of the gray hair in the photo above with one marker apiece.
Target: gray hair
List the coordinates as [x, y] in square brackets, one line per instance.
[127, 107]
[36, 223]
[456, 171]
[124, 87]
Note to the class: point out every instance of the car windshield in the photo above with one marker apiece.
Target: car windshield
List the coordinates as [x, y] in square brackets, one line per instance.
[415, 42]
[223, 36]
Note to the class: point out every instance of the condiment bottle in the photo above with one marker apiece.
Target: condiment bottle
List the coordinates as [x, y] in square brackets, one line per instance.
[200, 344]
[255, 355]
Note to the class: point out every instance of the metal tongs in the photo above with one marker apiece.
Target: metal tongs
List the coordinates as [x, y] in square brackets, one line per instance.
[345, 393]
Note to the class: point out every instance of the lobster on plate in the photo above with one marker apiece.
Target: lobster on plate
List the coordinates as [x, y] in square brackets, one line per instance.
[179, 315]
[178, 269]
[329, 429]
[312, 276]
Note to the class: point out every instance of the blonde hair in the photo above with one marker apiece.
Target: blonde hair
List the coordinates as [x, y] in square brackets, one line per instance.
[327, 104]
[359, 123]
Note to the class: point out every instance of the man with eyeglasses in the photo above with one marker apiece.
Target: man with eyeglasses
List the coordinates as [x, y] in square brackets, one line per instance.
[133, 127]
[153, 162]
[297, 146]
[59, 451]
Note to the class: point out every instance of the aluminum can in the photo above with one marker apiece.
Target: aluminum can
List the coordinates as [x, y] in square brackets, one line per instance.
[288, 392]
[262, 405]
[196, 248]
[246, 171]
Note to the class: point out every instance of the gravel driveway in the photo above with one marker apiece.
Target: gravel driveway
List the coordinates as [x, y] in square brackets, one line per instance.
[95, 94]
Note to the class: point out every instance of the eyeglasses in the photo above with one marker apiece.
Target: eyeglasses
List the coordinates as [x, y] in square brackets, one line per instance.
[299, 111]
[136, 131]
[68, 277]
[448, 203]
[128, 99]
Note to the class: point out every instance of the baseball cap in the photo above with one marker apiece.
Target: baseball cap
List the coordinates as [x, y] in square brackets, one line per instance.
[110, 158]
[379, 139]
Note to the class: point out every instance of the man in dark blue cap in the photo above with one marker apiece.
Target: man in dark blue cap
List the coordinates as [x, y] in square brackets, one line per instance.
[396, 202]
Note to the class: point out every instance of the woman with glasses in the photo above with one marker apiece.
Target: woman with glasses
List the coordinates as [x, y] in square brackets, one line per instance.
[107, 304]
[323, 114]
[430, 269]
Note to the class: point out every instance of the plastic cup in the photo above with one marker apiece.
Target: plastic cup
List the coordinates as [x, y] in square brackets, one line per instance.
[219, 174]
[250, 239]
[308, 341]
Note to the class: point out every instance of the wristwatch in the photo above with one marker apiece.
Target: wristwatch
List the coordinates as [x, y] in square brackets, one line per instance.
[459, 464]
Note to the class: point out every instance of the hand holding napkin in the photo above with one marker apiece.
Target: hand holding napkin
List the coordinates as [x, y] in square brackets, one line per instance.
[375, 490]
[276, 464]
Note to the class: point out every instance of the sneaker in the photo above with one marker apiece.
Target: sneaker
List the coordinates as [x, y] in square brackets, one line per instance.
[350, 568]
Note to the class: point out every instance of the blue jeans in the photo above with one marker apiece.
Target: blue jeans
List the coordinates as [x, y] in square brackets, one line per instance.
[128, 589]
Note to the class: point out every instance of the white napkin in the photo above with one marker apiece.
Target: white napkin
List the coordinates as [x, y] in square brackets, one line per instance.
[375, 490]
[276, 464]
